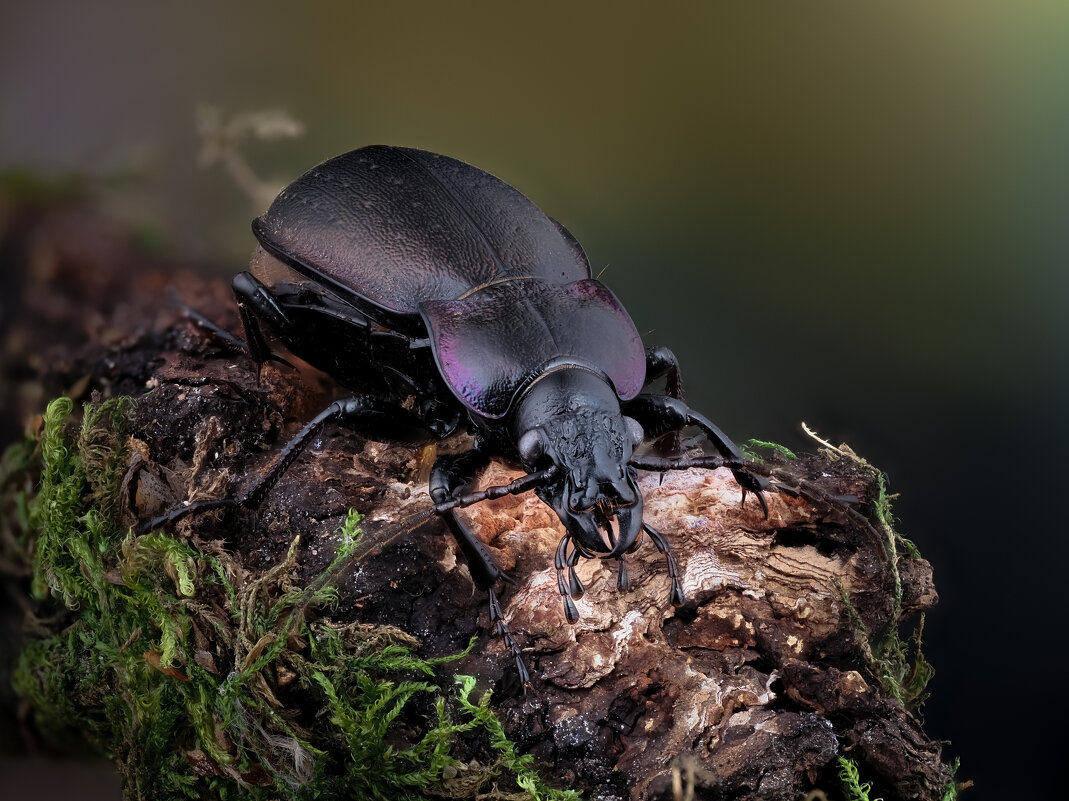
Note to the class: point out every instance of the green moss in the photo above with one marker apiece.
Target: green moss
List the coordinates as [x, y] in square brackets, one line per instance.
[18, 474]
[203, 682]
[853, 787]
[901, 672]
[952, 789]
[751, 446]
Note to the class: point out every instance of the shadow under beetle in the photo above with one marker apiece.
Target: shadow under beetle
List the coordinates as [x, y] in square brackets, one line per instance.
[447, 300]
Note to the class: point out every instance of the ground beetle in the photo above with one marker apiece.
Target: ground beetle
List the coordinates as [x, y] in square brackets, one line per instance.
[448, 301]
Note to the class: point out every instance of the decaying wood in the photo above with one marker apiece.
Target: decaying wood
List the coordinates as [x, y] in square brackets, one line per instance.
[750, 690]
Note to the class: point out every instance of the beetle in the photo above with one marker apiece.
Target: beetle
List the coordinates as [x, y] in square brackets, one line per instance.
[447, 301]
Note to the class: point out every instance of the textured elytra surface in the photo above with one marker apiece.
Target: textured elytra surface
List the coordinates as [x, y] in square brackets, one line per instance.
[754, 686]
[402, 226]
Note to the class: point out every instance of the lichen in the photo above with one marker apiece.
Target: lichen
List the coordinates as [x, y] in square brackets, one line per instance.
[201, 680]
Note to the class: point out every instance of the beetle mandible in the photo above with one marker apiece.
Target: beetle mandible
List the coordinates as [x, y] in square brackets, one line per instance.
[446, 300]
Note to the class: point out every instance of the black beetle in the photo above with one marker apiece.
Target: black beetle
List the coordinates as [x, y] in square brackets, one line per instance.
[449, 301]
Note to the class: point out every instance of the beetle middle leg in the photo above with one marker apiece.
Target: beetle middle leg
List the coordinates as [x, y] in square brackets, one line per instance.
[450, 476]
[336, 337]
[371, 417]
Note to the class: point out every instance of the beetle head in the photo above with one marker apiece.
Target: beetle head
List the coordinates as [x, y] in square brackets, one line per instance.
[571, 418]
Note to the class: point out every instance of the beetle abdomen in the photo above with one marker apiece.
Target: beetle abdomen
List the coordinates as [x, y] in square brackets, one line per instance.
[398, 227]
[490, 343]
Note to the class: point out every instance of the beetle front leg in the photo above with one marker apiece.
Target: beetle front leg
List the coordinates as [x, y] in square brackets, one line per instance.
[450, 476]
[659, 414]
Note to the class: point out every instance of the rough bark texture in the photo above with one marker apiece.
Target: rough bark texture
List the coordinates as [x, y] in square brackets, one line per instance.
[751, 690]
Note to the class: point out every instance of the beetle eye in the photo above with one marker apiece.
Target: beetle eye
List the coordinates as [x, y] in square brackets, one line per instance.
[532, 446]
[637, 434]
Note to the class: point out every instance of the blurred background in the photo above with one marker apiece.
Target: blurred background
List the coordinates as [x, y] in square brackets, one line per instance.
[849, 214]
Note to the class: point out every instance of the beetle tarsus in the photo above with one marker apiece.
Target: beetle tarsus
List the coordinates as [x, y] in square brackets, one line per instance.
[497, 621]
[750, 482]
[230, 340]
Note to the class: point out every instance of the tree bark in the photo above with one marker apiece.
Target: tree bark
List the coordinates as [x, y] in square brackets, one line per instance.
[784, 657]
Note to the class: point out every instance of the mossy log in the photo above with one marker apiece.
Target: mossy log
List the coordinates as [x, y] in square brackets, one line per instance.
[784, 665]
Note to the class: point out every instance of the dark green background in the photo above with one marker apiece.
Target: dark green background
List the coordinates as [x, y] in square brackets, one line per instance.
[851, 214]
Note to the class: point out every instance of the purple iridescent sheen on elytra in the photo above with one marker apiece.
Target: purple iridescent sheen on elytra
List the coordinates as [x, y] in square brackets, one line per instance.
[489, 343]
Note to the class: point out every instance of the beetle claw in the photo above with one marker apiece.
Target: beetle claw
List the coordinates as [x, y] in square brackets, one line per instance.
[755, 484]
[760, 499]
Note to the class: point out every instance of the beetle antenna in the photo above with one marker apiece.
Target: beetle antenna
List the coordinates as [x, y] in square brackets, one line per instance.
[252, 499]
[521, 484]
[180, 512]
